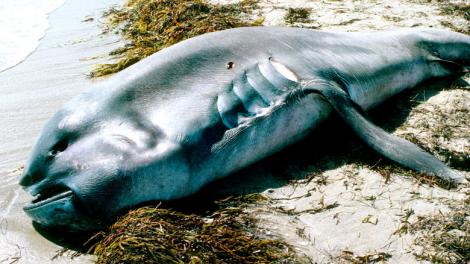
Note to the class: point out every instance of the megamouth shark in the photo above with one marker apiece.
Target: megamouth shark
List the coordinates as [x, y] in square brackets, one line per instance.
[214, 104]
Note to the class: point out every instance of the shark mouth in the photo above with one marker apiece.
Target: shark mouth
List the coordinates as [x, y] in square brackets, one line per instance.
[49, 195]
[56, 207]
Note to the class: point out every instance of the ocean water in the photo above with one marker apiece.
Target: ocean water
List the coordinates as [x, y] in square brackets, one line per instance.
[22, 25]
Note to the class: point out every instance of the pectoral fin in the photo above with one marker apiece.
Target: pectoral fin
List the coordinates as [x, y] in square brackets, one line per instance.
[390, 146]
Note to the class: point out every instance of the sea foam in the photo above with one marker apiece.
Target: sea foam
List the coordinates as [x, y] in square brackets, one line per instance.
[22, 25]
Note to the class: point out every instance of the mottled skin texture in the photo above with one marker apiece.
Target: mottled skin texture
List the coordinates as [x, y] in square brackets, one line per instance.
[211, 105]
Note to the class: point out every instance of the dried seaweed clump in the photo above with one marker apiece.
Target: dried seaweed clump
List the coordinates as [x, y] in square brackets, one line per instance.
[154, 235]
[350, 257]
[456, 9]
[445, 238]
[151, 25]
[297, 15]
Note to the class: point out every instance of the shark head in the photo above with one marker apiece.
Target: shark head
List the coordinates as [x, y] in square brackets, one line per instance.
[451, 50]
[92, 160]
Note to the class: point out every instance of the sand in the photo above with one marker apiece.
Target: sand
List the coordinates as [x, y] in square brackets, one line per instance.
[30, 93]
[366, 210]
[359, 211]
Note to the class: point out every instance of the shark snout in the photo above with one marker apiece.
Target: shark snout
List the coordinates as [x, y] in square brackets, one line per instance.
[26, 179]
[30, 177]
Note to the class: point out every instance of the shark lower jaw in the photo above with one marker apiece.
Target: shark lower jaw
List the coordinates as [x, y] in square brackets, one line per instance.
[49, 196]
[57, 209]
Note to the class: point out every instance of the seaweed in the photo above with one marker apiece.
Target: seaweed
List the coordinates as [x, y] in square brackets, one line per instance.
[451, 10]
[149, 26]
[444, 238]
[454, 9]
[380, 257]
[157, 235]
[297, 15]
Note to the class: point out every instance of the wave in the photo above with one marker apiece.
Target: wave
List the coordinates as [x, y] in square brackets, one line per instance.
[22, 25]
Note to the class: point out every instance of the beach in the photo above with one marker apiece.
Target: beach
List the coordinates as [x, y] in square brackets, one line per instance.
[31, 92]
[21, 34]
[359, 207]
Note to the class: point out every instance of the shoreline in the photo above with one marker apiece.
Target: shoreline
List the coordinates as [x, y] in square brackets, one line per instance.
[32, 91]
[37, 40]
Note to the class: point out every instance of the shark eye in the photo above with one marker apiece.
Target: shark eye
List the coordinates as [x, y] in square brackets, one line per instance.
[60, 146]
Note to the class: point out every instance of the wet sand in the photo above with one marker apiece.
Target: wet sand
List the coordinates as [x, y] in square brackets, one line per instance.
[30, 94]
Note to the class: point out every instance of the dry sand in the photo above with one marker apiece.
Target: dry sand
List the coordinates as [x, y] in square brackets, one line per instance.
[334, 209]
[356, 211]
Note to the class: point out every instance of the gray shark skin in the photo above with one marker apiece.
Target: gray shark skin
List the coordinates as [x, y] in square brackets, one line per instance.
[214, 104]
